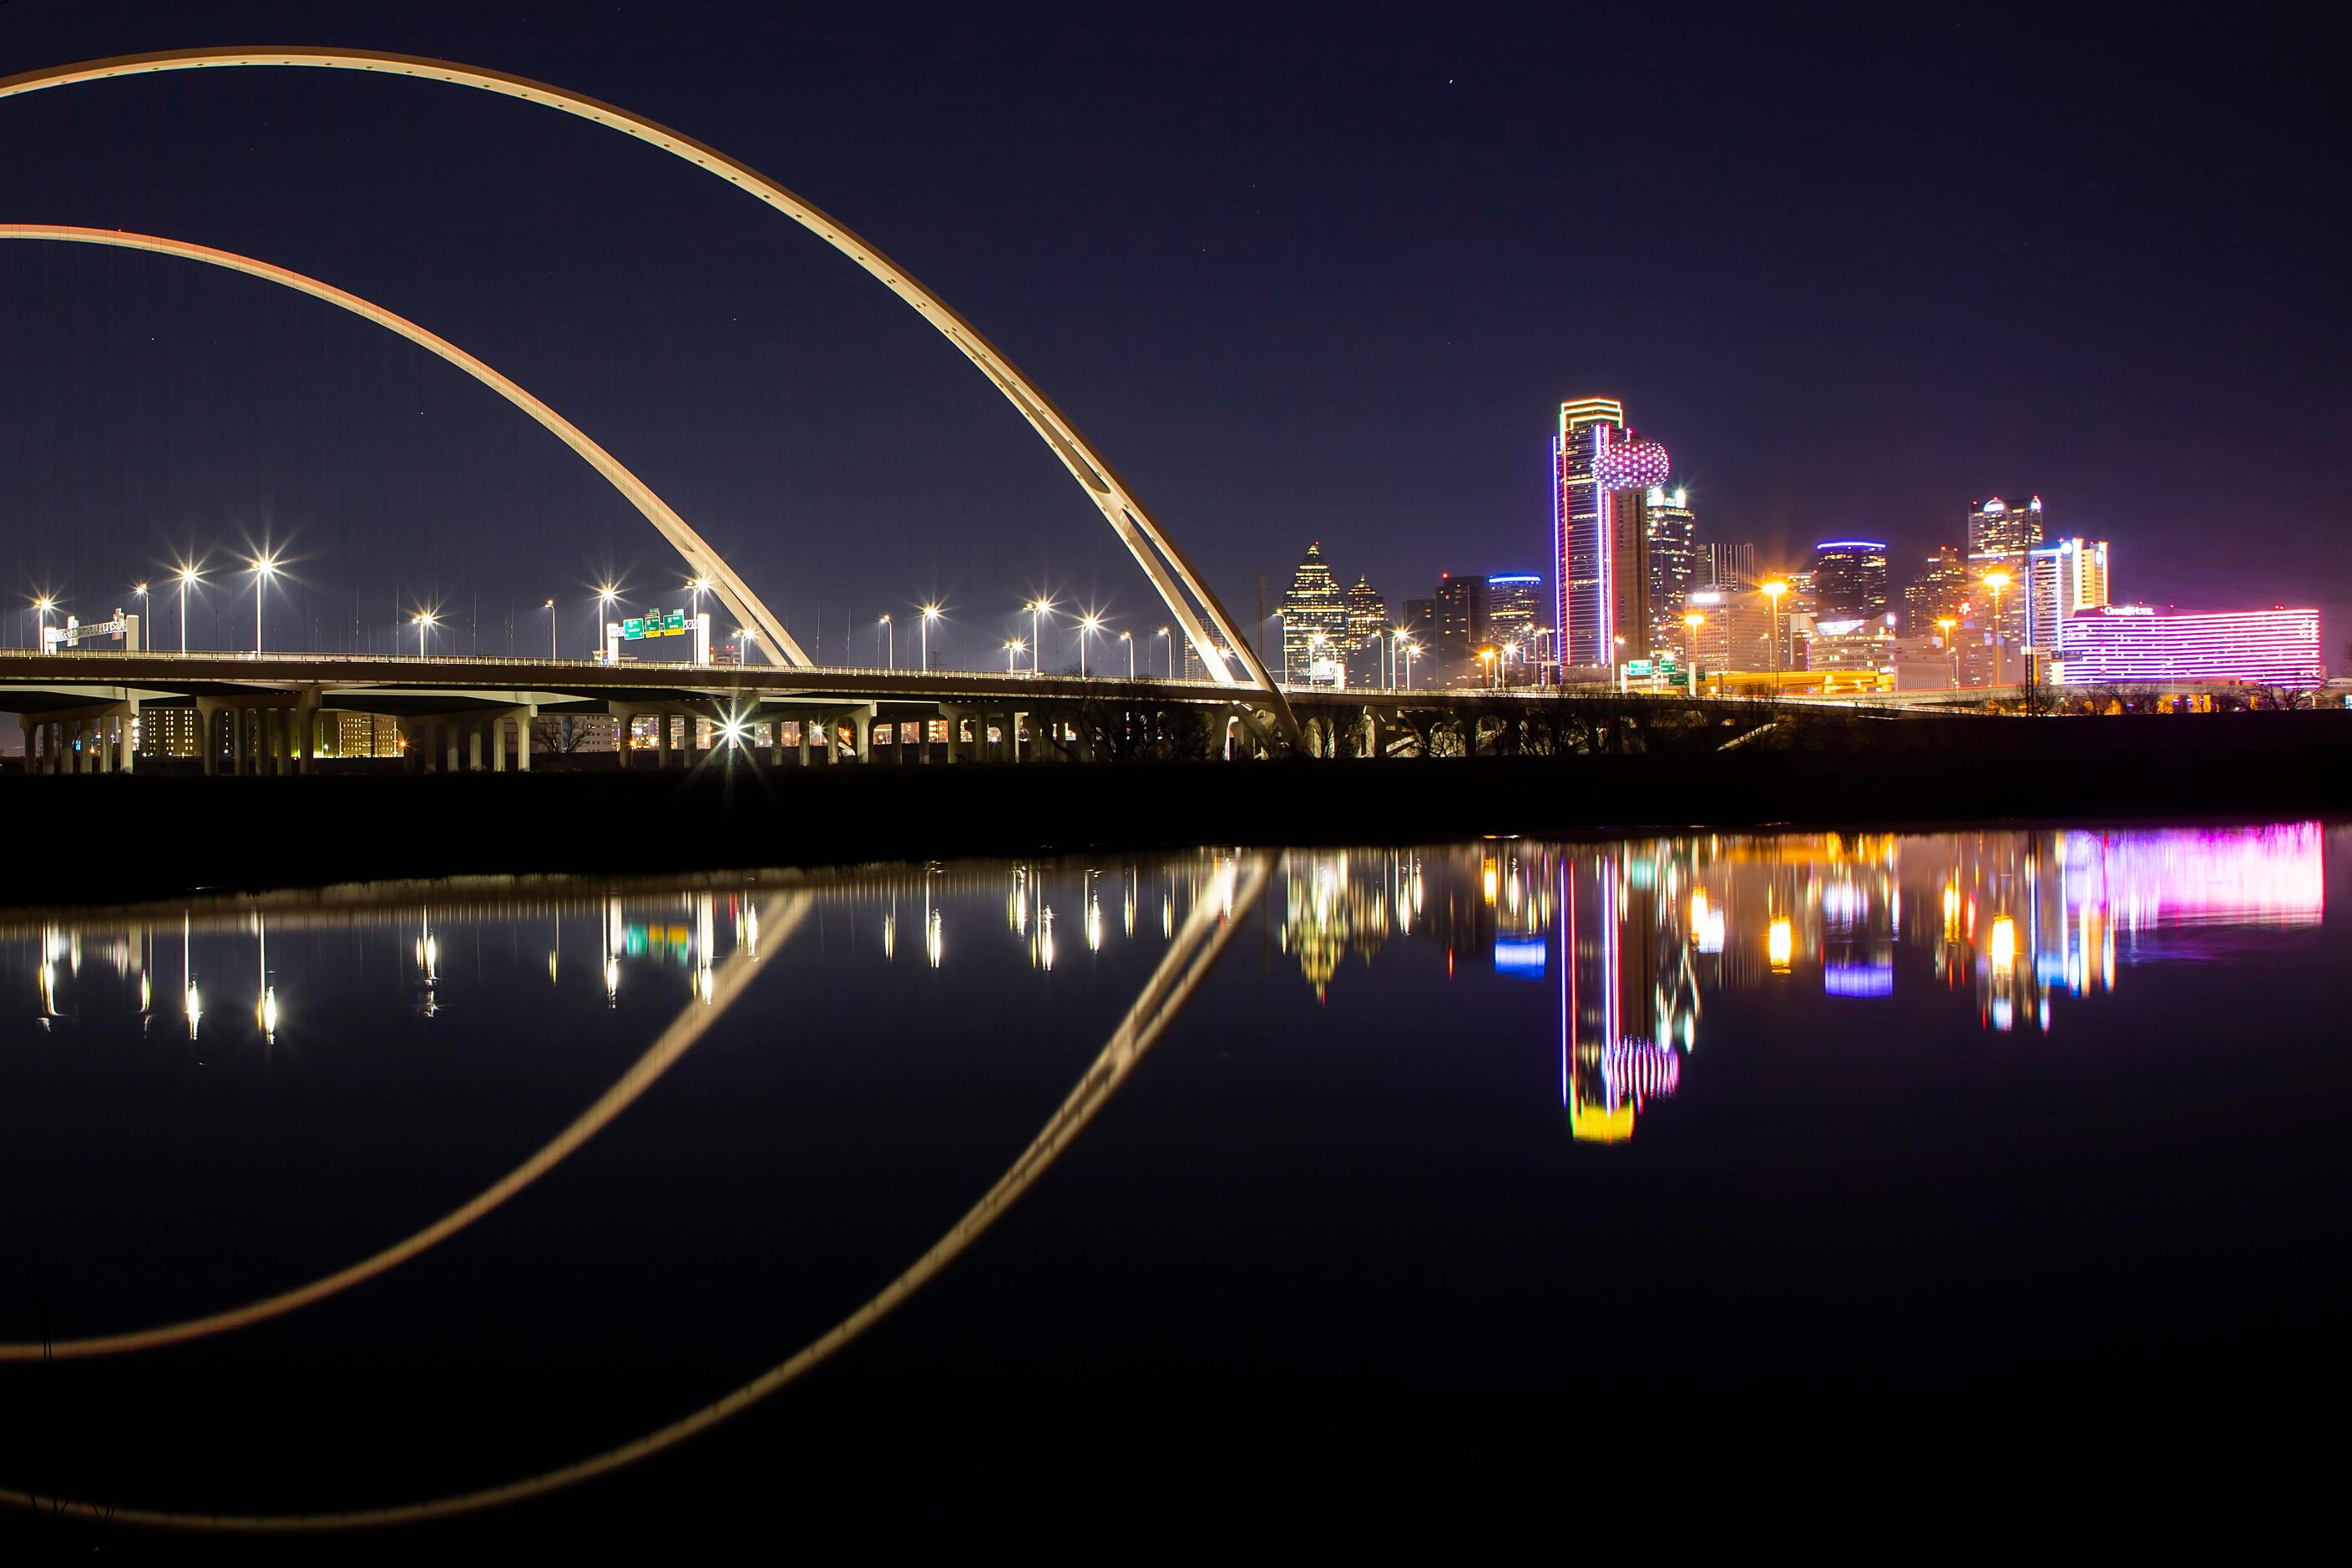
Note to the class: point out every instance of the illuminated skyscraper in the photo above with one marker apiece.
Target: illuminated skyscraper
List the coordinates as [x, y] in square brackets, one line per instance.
[1513, 601]
[1368, 624]
[1604, 477]
[1939, 592]
[1728, 566]
[1850, 580]
[1314, 625]
[1673, 564]
[1996, 527]
[2061, 578]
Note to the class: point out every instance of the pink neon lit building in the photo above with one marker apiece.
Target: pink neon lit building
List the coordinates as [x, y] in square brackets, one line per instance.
[2131, 644]
[1602, 475]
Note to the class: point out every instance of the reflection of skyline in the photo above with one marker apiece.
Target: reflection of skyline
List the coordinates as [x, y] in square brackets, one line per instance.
[1634, 934]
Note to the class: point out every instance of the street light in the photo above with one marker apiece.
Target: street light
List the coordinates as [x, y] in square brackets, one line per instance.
[1162, 632]
[1951, 648]
[1410, 648]
[265, 567]
[1038, 608]
[425, 620]
[930, 613]
[1013, 647]
[141, 590]
[1690, 624]
[1088, 626]
[41, 608]
[1486, 658]
[1772, 592]
[189, 577]
[883, 628]
[1996, 581]
[607, 595]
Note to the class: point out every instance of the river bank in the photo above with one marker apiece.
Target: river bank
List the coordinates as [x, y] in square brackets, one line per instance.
[108, 838]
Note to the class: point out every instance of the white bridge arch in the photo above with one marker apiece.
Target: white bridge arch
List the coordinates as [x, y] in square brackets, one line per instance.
[1206, 621]
[706, 563]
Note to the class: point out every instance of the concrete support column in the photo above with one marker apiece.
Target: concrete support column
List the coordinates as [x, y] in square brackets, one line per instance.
[661, 738]
[807, 739]
[498, 745]
[447, 730]
[474, 746]
[624, 721]
[522, 718]
[306, 733]
[861, 726]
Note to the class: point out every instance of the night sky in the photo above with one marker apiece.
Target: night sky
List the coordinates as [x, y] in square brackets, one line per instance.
[1301, 275]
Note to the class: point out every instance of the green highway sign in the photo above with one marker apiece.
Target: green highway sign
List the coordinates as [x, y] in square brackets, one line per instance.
[660, 624]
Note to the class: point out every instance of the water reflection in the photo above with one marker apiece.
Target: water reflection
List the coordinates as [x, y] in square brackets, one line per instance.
[1605, 955]
[1636, 934]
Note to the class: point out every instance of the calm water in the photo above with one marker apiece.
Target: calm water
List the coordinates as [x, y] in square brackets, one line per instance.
[1117, 1203]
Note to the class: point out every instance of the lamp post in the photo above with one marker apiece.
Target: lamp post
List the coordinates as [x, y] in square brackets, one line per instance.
[1486, 658]
[41, 608]
[1690, 624]
[1951, 648]
[1088, 626]
[888, 634]
[1410, 649]
[744, 637]
[1772, 592]
[930, 613]
[1012, 649]
[140, 591]
[607, 595]
[264, 568]
[550, 608]
[1617, 654]
[188, 578]
[1128, 638]
[1037, 609]
[426, 620]
[1162, 632]
[1995, 582]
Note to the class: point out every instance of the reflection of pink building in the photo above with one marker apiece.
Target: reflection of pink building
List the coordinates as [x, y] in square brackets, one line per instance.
[2199, 876]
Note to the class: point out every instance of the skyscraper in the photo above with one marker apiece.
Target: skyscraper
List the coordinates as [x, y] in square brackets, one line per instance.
[1674, 568]
[2060, 579]
[1368, 624]
[1996, 527]
[1314, 625]
[1602, 479]
[1513, 601]
[1729, 567]
[1850, 580]
[1461, 615]
[1938, 593]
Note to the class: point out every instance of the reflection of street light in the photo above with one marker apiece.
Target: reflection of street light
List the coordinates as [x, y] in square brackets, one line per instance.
[1772, 592]
[1780, 944]
[930, 613]
[1690, 624]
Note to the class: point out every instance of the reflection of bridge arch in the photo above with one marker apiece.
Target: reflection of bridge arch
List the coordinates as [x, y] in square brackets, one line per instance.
[1191, 953]
[1170, 571]
[705, 561]
[781, 918]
